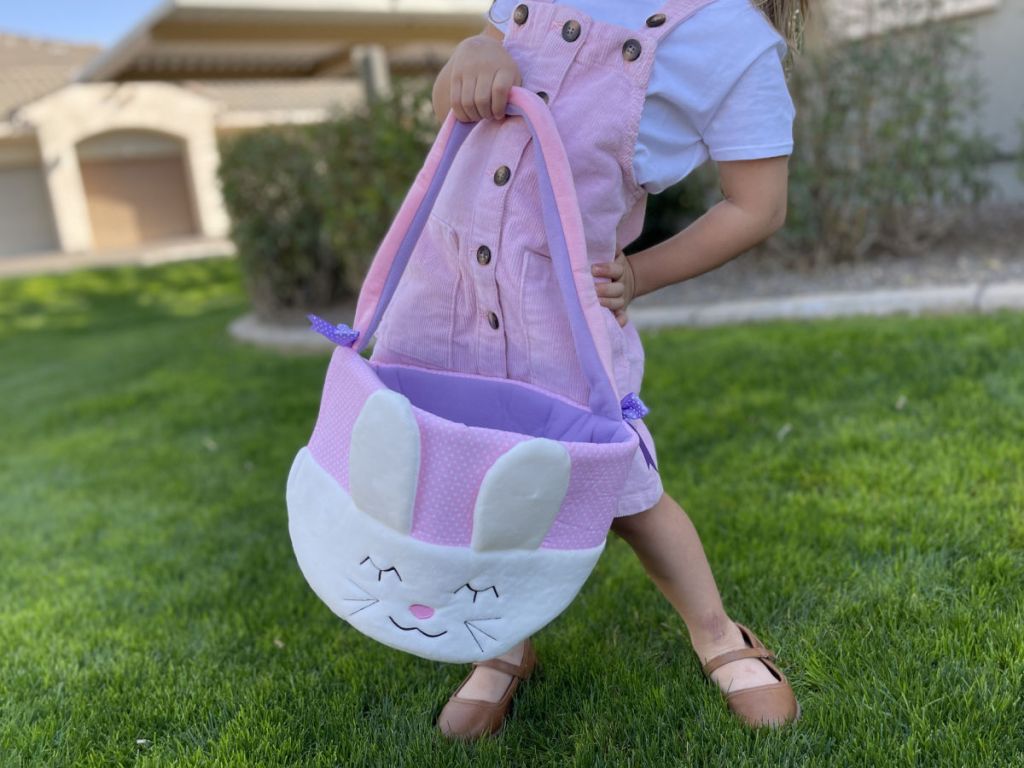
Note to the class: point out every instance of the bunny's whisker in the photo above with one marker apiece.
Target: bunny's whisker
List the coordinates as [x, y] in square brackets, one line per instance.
[470, 624]
[368, 605]
[469, 629]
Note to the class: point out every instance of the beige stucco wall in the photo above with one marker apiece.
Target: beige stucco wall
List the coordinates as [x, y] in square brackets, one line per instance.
[83, 111]
[26, 223]
[997, 38]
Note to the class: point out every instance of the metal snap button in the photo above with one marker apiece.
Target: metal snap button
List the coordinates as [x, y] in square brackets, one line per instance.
[521, 14]
[493, 320]
[631, 50]
[571, 31]
[502, 175]
[543, 95]
[483, 255]
[656, 20]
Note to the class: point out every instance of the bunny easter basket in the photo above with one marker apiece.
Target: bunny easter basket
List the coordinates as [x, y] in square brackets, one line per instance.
[452, 515]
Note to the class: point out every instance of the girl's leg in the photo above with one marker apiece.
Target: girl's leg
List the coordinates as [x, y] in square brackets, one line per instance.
[668, 546]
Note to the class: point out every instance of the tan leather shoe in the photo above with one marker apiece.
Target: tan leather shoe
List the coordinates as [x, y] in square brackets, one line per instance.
[472, 718]
[773, 704]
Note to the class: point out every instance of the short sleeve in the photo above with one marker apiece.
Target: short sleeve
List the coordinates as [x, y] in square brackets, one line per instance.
[755, 118]
[500, 12]
[717, 91]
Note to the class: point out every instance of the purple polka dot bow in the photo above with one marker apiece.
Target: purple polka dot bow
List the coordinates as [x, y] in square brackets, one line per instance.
[340, 334]
[633, 407]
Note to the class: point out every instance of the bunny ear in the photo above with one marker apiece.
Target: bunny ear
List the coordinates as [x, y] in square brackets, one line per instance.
[384, 461]
[520, 496]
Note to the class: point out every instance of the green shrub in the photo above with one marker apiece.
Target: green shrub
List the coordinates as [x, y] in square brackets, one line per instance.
[310, 204]
[372, 158]
[885, 144]
[270, 179]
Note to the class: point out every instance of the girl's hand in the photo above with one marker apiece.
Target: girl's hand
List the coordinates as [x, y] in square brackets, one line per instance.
[479, 76]
[616, 294]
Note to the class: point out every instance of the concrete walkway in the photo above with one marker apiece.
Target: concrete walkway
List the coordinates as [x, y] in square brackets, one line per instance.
[938, 299]
[650, 312]
[963, 299]
[145, 256]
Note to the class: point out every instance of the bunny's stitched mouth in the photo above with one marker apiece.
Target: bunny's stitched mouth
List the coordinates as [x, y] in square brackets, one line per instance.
[410, 629]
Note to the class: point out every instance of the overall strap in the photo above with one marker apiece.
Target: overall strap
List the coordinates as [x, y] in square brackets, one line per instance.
[517, 3]
[563, 224]
[670, 15]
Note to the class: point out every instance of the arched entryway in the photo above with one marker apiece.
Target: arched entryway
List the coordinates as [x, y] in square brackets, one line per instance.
[137, 188]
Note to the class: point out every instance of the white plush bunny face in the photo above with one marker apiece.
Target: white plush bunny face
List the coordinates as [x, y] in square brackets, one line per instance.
[441, 602]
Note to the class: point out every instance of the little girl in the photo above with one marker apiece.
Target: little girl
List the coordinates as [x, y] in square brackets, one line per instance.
[643, 92]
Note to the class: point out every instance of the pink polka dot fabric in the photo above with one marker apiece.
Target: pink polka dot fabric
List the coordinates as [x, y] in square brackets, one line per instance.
[454, 460]
[350, 380]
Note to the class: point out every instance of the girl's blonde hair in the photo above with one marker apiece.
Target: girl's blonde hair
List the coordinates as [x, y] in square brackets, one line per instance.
[787, 16]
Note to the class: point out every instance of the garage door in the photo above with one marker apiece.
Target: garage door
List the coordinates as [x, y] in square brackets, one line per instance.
[26, 221]
[137, 190]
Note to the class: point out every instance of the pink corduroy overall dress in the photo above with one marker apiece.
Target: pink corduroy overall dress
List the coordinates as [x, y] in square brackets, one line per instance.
[479, 294]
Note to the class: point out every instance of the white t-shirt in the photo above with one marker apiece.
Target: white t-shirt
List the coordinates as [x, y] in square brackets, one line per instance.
[717, 88]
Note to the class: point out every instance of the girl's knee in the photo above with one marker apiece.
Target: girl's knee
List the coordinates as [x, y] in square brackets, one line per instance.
[625, 524]
[622, 525]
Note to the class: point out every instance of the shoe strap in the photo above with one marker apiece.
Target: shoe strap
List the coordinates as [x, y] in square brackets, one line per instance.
[520, 670]
[730, 656]
[516, 670]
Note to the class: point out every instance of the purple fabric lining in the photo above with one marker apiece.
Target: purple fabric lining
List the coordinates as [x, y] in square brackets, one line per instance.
[602, 399]
[502, 404]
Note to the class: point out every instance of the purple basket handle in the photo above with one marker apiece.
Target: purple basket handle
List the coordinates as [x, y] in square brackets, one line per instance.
[563, 224]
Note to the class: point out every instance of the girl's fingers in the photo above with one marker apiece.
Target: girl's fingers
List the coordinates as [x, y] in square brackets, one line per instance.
[613, 302]
[503, 82]
[483, 96]
[468, 99]
[611, 289]
[612, 269]
[456, 100]
[622, 317]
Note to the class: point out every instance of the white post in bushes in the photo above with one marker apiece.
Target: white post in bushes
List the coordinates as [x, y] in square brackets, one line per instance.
[371, 62]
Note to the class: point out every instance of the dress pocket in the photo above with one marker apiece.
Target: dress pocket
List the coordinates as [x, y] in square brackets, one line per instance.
[553, 363]
[622, 358]
[419, 321]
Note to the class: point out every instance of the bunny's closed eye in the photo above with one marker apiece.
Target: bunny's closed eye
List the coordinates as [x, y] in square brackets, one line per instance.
[477, 592]
[381, 571]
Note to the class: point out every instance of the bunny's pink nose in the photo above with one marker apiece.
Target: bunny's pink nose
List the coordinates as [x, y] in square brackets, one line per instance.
[421, 611]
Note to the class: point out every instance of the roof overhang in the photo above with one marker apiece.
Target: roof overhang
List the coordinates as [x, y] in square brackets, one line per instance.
[196, 39]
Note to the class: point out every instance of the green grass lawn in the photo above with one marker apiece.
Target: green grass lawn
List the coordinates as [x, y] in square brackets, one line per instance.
[858, 484]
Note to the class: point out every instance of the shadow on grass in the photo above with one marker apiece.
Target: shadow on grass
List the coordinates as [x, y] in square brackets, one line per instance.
[99, 298]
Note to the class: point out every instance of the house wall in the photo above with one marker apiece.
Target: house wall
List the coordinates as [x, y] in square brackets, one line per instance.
[26, 220]
[997, 37]
[76, 113]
